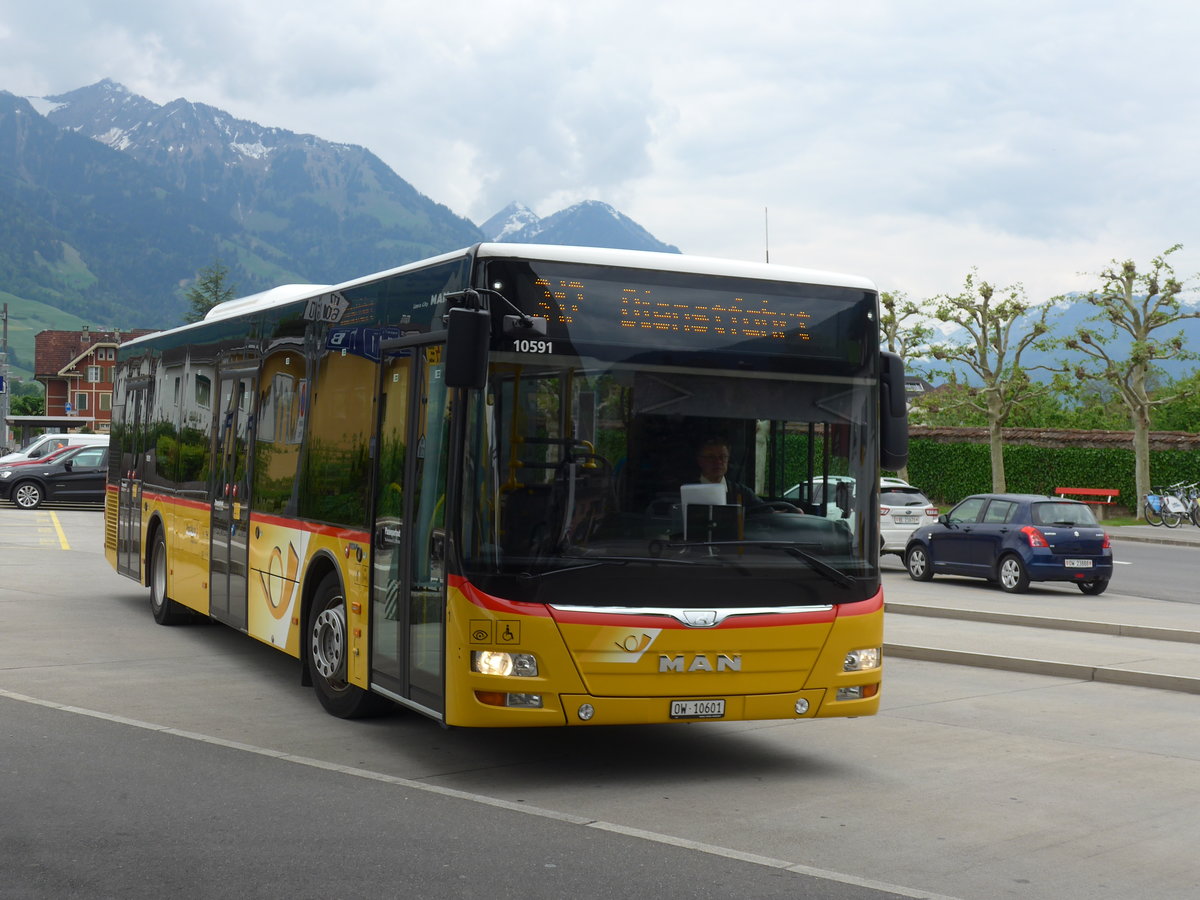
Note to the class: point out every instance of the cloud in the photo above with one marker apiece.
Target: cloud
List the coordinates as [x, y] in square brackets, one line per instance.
[904, 139]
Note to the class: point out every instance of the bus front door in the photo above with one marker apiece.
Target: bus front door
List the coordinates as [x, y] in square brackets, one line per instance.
[408, 576]
[231, 500]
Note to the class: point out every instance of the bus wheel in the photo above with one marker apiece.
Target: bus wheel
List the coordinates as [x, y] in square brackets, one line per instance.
[328, 655]
[166, 611]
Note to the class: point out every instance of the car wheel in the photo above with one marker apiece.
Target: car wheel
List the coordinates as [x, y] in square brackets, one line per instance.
[328, 653]
[917, 563]
[166, 611]
[1012, 575]
[1094, 587]
[28, 495]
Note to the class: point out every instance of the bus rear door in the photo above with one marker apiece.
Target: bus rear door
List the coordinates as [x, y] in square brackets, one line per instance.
[231, 499]
[129, 500]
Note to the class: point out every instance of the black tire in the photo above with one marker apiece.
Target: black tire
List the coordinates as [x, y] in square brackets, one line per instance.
[1094, 587]
[916, 560]
[165, 610]
[1151, 516]
[327, 649]
[1012, 575]
[27, 494]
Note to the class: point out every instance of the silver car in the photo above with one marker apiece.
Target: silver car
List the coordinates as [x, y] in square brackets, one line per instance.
[902, 508]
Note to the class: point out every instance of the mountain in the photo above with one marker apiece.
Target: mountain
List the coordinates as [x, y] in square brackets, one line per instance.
[330, 211]
[589, 224]
[110, 204]
[511, 220]
[88, 230]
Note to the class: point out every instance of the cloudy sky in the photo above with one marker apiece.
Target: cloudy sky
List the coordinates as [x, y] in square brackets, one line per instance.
[906, 141]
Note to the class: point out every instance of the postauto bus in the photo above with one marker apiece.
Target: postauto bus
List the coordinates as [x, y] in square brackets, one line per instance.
[469, 485]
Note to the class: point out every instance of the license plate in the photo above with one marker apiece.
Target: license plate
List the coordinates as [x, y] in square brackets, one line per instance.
[1079, 563]
[697, 709]
[905, 520]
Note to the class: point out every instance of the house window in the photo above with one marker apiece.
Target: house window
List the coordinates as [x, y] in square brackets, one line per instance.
[93, 374]
[81, 401]
[203, 391]
[106, 402]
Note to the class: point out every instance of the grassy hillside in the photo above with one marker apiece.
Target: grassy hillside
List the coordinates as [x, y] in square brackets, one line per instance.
[25, 319]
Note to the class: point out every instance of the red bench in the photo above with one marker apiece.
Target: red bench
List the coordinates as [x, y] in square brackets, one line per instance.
[1098, 496]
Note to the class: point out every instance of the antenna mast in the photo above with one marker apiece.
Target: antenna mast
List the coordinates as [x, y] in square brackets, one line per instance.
[767, 233]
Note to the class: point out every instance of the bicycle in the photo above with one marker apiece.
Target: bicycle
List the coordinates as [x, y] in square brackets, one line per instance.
[1165, 506]
[1191, 497]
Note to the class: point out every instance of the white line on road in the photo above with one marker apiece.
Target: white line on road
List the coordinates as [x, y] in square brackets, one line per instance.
[569, 819]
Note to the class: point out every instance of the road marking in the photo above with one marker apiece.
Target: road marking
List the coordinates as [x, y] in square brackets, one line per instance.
[62, 537]
[568, 818]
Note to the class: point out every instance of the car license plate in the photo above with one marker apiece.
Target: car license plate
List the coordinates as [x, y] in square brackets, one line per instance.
[905, 520]
[1079, 563]
[697, 709]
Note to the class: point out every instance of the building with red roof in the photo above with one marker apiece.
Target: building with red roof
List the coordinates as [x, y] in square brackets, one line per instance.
[76, 368]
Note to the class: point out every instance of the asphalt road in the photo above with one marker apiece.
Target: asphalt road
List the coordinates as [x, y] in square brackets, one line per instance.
[137, 760]
[1152, 571]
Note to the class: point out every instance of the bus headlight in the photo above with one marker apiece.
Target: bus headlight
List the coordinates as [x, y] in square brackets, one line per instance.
[861, 660]
[501, 662]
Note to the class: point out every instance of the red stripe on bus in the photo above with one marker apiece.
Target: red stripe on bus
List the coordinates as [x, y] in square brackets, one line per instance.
[600, 616]
[347, 534]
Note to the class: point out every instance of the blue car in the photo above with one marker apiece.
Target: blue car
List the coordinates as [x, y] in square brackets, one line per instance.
[1014, 539]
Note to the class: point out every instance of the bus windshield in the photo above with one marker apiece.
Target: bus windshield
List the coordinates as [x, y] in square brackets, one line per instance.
[584, 479]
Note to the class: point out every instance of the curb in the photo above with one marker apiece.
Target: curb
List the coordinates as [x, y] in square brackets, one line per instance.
[1130, 677]
[1150, 632]
[1140, 539]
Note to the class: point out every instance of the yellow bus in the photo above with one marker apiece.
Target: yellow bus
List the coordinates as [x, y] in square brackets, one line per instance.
[473, 486]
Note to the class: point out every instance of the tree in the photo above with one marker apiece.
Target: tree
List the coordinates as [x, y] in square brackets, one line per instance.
[895, 309]
[209, 289]
[1001, 324]
[1138, 304]
[28, 405]
[1180, 411]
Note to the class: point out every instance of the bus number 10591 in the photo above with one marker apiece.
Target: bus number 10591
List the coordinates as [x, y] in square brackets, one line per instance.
[528, 346]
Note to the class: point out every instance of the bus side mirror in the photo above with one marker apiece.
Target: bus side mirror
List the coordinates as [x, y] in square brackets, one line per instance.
[468, 333]
[893, 412]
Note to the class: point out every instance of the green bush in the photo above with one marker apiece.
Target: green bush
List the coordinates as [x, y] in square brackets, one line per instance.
[949, 472]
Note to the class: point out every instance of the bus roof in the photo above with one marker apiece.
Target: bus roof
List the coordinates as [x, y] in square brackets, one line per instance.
[630, 259]
[671, 262]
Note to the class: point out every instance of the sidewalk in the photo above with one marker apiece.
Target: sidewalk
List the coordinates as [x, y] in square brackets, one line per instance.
[1186, 535]
[1111, 638]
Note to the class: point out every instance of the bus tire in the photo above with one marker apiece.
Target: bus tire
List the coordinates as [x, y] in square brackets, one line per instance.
[166, 611]
[327, 649]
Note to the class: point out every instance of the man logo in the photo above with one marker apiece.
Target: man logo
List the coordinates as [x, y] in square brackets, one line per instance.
[700, 663]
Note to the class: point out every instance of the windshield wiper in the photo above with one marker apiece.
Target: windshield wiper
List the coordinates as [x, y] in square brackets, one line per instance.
[591, 562]
[833, 573]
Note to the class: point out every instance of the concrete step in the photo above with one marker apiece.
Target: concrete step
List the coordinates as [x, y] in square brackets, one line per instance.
[1090, 649]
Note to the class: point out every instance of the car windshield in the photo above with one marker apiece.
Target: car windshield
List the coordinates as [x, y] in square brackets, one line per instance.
[1063, 513]
[903, 497]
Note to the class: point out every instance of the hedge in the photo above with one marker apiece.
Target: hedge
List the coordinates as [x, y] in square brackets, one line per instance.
[949, 472]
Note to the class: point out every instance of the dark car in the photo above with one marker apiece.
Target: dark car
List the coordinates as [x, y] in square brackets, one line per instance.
[1014, 539]
[77, 476]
